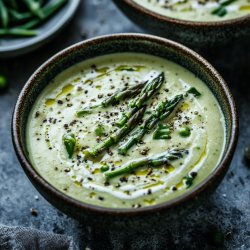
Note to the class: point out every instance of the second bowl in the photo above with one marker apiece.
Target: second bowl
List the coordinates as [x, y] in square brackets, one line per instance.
[194, 33]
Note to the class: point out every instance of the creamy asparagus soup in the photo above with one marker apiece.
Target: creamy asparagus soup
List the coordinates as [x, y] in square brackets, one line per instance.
[125, 130]
[198, 10]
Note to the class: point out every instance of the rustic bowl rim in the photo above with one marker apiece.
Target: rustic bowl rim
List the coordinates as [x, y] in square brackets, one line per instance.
[183, 22]
[208, 182]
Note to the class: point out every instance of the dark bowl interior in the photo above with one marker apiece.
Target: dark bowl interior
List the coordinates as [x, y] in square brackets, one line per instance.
[116, 44]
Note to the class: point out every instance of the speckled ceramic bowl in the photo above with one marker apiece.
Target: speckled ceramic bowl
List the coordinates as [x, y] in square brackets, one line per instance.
[194, 34]
[141, 217]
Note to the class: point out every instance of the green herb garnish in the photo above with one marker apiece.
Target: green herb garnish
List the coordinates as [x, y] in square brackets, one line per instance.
[221, 10]
[188, 181]
[104, 168]
[194, 92]
[129, 68]
[125, 68]
[84, 112]
[100, 130]
[69, 141]
[185, 132]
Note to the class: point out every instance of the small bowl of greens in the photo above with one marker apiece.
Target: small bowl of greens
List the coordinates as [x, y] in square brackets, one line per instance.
[196, 22]
[26, 25]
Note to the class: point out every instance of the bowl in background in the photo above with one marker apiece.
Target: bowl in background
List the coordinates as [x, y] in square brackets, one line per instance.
[191, 33]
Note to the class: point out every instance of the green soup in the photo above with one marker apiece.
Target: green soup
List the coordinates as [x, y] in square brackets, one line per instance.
[125, 130]
[202, 10]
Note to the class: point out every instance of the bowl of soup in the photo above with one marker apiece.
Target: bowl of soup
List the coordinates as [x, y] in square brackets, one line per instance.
[125, 129]
[195, 23]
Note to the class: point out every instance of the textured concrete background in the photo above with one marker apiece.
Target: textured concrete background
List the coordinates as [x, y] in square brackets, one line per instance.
[227, 210]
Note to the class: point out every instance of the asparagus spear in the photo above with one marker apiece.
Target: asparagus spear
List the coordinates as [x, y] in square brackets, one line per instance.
[148, 90]
[155, 160]
[118, 135]
[130, 92]
[162, 132]
[113, 99]
[163, 110]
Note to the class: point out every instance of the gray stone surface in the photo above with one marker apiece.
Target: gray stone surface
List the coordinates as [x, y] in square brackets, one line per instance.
[227, 210]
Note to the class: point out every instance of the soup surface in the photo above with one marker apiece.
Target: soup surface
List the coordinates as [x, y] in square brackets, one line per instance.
[125, 130]
[198, 10]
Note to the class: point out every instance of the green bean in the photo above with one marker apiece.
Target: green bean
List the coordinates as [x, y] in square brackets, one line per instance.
[34, 8]
[17, 16]
[4, 16]
[48, 11]
[17, 32]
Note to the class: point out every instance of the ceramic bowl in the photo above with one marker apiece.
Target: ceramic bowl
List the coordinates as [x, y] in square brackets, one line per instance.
[194, 34]
[147, 216]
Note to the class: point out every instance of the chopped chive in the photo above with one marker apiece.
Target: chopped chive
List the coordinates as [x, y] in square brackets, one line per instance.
[188, 181]
[100, 130]
[185, 132]
[226, 3]
[194, 92]
[104, 168]
[83, 112]
[221, 10]
[69, 141]
[125, 68]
